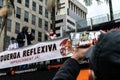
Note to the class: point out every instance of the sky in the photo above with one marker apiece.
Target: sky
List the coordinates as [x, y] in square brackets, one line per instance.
[103, 8]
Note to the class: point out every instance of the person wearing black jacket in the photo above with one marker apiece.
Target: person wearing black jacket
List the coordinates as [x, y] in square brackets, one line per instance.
[71, 67]
[24, 38]
[104, 60]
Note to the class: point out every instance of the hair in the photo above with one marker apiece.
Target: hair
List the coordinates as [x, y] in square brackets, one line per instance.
[53, 32]
[25, 29]
[12, 38]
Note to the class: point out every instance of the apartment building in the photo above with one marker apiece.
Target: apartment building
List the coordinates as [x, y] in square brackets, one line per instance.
[31, 13]
[70, 15]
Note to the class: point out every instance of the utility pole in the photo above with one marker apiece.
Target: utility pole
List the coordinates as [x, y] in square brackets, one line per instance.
[111, 10]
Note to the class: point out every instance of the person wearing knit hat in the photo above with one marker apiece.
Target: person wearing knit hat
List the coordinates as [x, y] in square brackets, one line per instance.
[13, 44]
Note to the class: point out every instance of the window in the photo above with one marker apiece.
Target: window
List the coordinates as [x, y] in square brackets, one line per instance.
[72, 6]
[17, 27]
[69, 4]
[51, 15]
[9, 23]
[18, 12]
[46, 13]
[40, 9]
[57, 28]
[46, 25]
[1, 3]
[19, 1]
[59, 21]
[46, 37]
[40, 22]
[0, 22]
[70, 22]
[33, 32]
[27, 3]
[58, 34]
[39, 36]
[34, 6]
[26, 16]
[7, 41]
[69, 28]
[10, 6]
[33, 19]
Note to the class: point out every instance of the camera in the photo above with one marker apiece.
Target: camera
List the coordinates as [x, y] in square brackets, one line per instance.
[84, 39]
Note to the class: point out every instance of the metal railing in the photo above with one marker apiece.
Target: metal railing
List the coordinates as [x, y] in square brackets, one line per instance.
[102, 18]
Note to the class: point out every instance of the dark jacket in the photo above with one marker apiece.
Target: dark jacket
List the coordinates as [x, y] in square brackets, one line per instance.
[69, 70]
[21, 36]
[105, 60]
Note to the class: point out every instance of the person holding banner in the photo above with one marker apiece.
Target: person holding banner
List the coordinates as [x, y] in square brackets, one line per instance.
[24, 38]
[51, 35]
[104, 60]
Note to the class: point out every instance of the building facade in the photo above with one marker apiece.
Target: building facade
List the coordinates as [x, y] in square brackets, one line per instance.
[31, 13]
[70, 15]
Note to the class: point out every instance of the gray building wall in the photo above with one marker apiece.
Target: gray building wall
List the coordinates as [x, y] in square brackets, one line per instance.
[81, 22]
[32, 27]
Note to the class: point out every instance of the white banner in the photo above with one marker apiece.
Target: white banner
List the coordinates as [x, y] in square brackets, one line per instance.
[35, 53]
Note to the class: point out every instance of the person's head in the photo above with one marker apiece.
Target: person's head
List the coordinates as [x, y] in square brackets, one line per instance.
[25, 29]
[105, 60]
[52, 32]
[12, 40]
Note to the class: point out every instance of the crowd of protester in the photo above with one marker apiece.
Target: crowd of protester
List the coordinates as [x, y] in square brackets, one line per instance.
[23, 39]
